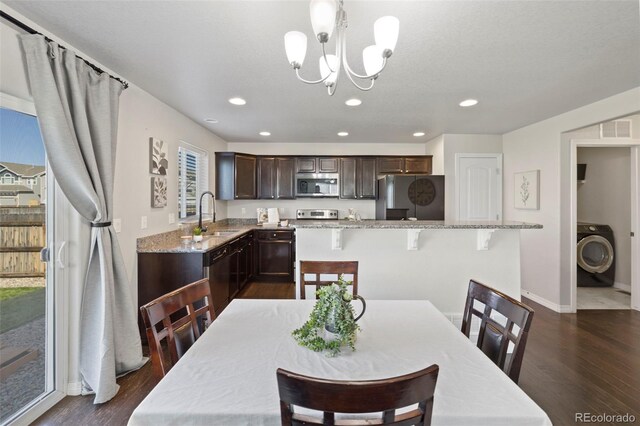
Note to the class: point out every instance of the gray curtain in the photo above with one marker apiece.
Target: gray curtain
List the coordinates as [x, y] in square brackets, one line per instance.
[78, 114]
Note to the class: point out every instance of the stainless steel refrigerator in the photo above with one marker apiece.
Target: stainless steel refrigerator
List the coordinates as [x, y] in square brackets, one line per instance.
[408, 196]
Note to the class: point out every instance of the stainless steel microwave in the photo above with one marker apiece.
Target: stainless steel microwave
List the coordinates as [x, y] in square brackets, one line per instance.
[317, 185]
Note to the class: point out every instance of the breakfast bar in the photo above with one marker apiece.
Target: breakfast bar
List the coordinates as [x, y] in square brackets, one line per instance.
[431, 260]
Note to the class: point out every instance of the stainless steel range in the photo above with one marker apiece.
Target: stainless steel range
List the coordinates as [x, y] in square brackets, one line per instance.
[317, 214]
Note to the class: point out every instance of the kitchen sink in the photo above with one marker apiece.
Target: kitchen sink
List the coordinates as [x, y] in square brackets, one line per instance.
[222, 233]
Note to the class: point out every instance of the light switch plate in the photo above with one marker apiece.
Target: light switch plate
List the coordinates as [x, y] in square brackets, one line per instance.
[244, 212]
[172, 218]
[143, 222]
[117, 225]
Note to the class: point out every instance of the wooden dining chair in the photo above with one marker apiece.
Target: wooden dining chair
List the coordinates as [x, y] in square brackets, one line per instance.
[319, 268]
[365, 397]
[176, 320]
[494, 337]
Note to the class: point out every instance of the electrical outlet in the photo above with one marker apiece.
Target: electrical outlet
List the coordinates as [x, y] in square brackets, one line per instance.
[244, 212]
[143, 222]
[117, 225]
[172, 218]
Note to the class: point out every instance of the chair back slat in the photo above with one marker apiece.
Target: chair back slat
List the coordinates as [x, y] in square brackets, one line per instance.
[318, 268]
[383, 396]
[179, 333]
[493, 337]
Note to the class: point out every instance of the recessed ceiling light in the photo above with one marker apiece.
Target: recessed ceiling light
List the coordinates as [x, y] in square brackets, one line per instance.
[468, 102]
[343, 134]
[237, 101]
[353, 102]
[211, 120]
[418, 134]
[265, 134]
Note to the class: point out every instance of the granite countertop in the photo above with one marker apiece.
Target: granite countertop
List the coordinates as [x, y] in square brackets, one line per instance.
[410, 224]
[170, 242]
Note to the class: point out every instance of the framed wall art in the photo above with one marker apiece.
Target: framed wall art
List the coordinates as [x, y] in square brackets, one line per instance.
[527, 190]
[158, 192]
[158, 161]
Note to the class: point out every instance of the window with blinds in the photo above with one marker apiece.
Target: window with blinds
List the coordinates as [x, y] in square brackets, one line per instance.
[193, 179]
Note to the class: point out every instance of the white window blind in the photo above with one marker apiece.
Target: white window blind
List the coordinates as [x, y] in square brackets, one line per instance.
[193, 179]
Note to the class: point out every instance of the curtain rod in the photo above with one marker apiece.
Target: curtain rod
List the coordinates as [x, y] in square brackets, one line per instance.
[30, 30]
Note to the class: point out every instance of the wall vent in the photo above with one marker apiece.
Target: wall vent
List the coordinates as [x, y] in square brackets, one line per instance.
[616, 129]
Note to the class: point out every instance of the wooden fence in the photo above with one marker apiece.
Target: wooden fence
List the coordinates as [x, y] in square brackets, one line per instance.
[22, 236]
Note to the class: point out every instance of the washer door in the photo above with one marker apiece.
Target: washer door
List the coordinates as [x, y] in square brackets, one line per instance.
[595, 254]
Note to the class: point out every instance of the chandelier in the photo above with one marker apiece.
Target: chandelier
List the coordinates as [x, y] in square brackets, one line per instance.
[327, 15]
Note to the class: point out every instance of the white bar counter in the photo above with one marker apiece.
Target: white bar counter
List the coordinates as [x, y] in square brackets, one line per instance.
[419, 260]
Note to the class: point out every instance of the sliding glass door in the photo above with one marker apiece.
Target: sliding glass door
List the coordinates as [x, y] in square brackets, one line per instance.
[27, 289]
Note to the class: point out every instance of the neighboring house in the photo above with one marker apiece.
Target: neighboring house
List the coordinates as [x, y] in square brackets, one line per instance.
[17, 195]
[22, 180]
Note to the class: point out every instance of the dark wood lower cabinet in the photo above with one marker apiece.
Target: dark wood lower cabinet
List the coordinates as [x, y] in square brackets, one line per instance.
[275, 255]
[228, 267]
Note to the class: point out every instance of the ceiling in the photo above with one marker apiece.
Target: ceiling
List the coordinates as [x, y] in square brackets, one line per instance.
[523, 60]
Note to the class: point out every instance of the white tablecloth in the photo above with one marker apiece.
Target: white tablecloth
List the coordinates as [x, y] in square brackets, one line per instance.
[229, 376]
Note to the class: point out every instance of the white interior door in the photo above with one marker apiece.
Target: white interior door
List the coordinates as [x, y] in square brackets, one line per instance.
[479, 186]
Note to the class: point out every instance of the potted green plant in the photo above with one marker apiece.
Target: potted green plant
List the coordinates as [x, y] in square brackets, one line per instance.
[332, 323]
[197, 234]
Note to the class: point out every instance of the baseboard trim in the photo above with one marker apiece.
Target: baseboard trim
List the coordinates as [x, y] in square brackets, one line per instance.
[74, 388]
[563, 309]
[621, 286]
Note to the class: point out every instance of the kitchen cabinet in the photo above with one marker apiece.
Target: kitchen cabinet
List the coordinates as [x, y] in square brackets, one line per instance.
[305, 165]
[317, 165]
[266, 178]
[285, 178]
[275, 255]
[358, 178]
[390, 165]
[404, 165]
[367, 179]
[276, 178]
[229, 268]
[235, 176]
[417, 165]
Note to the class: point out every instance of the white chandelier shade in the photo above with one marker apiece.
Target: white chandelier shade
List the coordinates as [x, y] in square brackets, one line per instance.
[329, 69]
[327, 17]
[295, 44]
[323, 17]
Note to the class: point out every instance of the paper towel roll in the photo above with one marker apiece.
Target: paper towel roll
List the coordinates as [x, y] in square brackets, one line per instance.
[274, 216]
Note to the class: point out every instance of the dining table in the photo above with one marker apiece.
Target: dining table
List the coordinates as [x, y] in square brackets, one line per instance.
[228, 377]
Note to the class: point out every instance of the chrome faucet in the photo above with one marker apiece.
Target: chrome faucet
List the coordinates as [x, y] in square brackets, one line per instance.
[213, 197]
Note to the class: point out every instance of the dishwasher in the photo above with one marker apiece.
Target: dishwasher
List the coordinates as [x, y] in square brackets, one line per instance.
[218, 270]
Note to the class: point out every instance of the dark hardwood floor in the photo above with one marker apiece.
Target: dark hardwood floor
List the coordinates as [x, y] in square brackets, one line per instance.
[586, 362]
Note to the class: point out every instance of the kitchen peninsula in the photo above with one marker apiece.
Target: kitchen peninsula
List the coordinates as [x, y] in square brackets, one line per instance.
[431, 260]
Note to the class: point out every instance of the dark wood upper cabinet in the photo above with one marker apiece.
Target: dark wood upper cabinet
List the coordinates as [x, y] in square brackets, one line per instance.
[317, 165]
[246, 166]
[404, 165]
[358, 178]
[327, 165]
[417, 165]
[266, 178]
[306, 165]
[285, 178]
[367, 178]
[276, 178]
[390, 165]
[348, 178]
[235, 176]
[244, 176]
